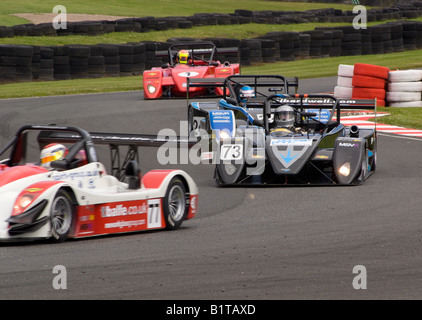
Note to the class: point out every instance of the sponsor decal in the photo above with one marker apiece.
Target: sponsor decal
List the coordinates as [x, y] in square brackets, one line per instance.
[74, 175]
[289, 142]
[320, 156]
[187, 74]
[33, 189]
[314, 101]
[121, 210]
[124, 224]
[348, 144]
[207, 155]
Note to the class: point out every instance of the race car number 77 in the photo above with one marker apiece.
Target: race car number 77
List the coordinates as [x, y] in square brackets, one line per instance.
[231, 152]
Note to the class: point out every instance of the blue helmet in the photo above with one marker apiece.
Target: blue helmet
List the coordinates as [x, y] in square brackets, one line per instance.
[245, 93]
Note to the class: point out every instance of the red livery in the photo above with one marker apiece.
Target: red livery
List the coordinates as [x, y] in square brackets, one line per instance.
[188, 60]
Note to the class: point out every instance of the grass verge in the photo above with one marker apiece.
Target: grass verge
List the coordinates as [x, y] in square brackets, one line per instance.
[156, 8]
[243, 31]
[311, 68]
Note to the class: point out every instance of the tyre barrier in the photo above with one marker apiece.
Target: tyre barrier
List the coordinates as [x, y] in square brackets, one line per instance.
[369, 82]
[344, 87]
[53, 63]
[404, 88]
[410, 10]
[391, 88]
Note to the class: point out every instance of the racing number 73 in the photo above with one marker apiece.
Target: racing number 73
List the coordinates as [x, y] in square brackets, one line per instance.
[231, 152]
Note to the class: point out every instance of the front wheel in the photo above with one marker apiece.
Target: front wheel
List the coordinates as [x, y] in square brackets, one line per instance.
[61, 216]
[175, 204]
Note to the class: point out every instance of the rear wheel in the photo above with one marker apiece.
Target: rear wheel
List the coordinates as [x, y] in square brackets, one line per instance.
[175, 204]
[61, 216]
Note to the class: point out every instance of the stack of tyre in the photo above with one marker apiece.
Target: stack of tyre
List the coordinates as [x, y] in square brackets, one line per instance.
[344, 87]
[46, 71]
[96, 62]
[78, 61]
[404, 88]
[369, 82]
[61, 63]
[111, 60]
[15, 63]
[250, 51]
[316, 42]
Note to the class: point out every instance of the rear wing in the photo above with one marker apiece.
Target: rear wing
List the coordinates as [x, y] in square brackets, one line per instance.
[326, 102]
[197, 47]
[114, 141]
[286, 83]
[138, 140]
[227, 50]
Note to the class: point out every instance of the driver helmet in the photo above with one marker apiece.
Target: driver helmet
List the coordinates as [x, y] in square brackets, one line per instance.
[284, 116]
[246, 93]
[183, 56]
[52, 152]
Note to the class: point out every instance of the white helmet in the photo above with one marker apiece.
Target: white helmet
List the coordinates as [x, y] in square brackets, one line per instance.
[284, 116]
[52, 152]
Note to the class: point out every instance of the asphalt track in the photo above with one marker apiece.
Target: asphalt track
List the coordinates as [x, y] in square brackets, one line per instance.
[245, 243]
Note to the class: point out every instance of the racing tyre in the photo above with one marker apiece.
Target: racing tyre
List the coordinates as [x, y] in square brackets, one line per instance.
[345, 70]
[371, 70]
[374, 157]
[61, 216]
[405, 76]
[364, 170]
[368, 82]
[343, 92]
[175, 204]
[405, 86]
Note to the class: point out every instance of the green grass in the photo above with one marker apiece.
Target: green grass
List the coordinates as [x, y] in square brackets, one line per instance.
[311, 68]
[409, 117]
[157, 8]
[404, 117]
[304, 69]
[244, 31]
[326, 67]
[8, 20]
[68, 87]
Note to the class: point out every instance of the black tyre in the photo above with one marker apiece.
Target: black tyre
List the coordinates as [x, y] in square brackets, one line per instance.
[374, 157]
[61, 216]
[175, 204]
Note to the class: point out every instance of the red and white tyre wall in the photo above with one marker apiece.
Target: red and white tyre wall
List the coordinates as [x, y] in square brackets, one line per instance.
[369, 82]
[404, 88]
[344, 87]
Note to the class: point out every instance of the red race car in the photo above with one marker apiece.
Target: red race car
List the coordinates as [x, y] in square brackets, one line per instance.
[188, 60]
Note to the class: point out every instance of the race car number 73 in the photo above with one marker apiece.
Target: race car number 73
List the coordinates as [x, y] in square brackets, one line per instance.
[231, 152]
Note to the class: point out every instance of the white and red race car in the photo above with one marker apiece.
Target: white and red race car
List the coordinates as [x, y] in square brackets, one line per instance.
[75, 197]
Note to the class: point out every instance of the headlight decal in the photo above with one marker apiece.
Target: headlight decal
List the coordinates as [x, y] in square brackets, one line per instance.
[28, 196]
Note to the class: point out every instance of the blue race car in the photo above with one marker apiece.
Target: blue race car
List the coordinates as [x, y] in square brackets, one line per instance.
[260, 133]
